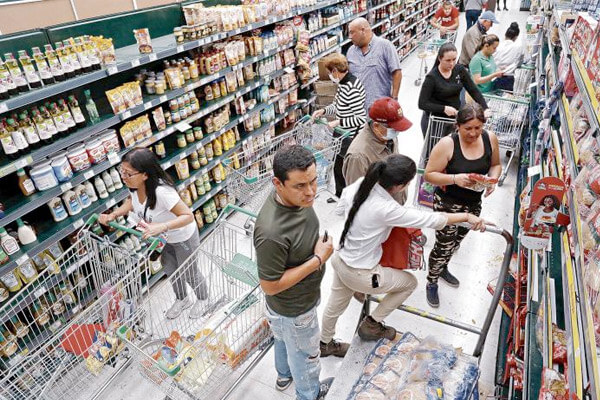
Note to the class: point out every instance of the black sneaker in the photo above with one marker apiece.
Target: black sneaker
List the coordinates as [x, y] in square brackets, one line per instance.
[369, 329]
[283, 383]
[334, 348]
[449, 278]
[432, 295]
[324, 388]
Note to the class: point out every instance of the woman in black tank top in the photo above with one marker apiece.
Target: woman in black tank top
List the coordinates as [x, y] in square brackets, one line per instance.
[471, 150]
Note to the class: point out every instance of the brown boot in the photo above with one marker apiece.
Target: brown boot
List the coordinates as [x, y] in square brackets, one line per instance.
[334, 348]
[370, 329]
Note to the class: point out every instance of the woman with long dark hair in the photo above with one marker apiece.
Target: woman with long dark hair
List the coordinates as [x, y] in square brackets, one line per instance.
[483, 66]
[371, 213]
[440, 94]
[156, 208]
[470, 150]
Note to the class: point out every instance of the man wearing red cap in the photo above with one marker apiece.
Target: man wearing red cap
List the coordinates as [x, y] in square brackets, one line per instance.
[376, 140]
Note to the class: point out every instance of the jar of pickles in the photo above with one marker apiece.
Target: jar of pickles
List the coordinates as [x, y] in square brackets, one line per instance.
[200, 187]
[181, 140]
[206, 210]
[194, 161]
[178, 32]
[198, 133]
[213, 209]
[206, 180]
[189, 136]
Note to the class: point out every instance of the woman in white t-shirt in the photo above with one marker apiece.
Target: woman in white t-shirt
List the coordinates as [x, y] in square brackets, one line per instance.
[156, 208]
[509, 55]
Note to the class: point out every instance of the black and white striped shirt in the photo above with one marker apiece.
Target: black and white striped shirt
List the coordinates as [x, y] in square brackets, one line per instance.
[349, 104]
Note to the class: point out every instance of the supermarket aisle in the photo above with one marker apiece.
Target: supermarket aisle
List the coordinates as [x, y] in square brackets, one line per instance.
[476, 263]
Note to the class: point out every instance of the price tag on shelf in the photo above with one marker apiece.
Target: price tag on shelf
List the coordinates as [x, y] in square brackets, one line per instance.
[148, 105]
[190, 87]
[22, 259]
[39, 292]
[114, 158]
[125, 115]
[111, 203]
[152, 57]
[180, 49]
[182, 126]
[237, 31]
[23, 162]
[135, 63]
[89, 174]
[212, 137]
[78, 224]
[535, 170]
[182, 156]
[167, 165]
[163, 98]
[200, 42]
[65, 186]
[112, 70]
[3, 107]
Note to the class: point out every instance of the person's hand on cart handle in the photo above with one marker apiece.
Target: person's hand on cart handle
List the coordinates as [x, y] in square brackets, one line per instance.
[152, 229]
[334, 124]
[318, 114]
[104, 219]
[477, 223]
[323, 249]
[450, 111]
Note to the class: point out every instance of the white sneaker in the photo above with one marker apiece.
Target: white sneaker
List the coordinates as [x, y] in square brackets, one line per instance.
[199, 309]
[178, 307]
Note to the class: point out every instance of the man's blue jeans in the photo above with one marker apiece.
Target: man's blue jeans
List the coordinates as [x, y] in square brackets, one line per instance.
[297, 350]
[471, 16]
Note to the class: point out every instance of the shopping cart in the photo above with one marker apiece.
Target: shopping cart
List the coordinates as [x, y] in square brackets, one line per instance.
[523, 77]
[508, 117]
[206, 358]
[428, 48]
[83, 354]
[355, 358]
[249, 183]
[438, 128]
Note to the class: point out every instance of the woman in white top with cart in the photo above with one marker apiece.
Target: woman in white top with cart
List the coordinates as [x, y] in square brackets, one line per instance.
[509, 55]
[371, 213]
[156, 208]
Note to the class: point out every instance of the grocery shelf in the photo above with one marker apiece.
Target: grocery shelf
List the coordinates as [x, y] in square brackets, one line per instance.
[397, 14]
[325, 29]
[59, 230]
[310, 82]
[128, 57]
[588, 94]
[377, 7]
[325, 53]
[380, 23]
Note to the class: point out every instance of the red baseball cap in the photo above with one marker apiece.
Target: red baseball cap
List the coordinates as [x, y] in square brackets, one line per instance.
[388, 111]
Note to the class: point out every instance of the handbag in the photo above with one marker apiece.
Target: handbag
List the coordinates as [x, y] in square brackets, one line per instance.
[403, 249]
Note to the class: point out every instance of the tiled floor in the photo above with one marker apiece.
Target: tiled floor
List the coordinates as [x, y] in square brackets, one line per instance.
[476, 263]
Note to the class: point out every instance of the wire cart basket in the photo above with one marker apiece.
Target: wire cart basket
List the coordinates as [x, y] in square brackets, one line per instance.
[429, 48]
[206, 357]
[438, 128]
[249, 182]
[83, 354]
[509, 113]
[523, 77]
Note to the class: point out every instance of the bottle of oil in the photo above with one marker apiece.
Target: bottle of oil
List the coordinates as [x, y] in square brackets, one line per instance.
[42, 66]
[65, 60]
[82, 55]
[67, 116]
[32, 76]
[16, 73]
[49, 122]
[17, 135]
[29, 130]
[7, 79]
[76, 111]
[42, 129]
[93, 53]
[54, 62]
[59, 120]
[8, 143]
[72, 54]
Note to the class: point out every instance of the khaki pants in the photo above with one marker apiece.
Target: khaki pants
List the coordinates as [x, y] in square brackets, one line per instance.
[396, 284]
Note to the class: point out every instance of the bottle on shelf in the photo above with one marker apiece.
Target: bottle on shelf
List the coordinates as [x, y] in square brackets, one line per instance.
[32, 76]
[108, 182]
[90, 48]
[17, 135]
[91, 192]
[82, 55]
[25, 183]
[58, 118]
[90, 106]
[7, 79]
[101, 188]
[4, 293]
[8, 343]
[53, 61]
[72, 202]
[8, 142]
[67, 116]
[57, 306]
[82, 195]
[16, 73]
[72, 54]
[44, 130]
[40, 313]
[65, 60]
[29, 131]
[76, 111]
[9, 244]
[42, 66]
[66, 294]
[20, 330]
[26, 233]
[116, 178]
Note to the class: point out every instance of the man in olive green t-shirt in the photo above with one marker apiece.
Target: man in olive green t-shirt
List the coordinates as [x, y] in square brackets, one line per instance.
[291, 262]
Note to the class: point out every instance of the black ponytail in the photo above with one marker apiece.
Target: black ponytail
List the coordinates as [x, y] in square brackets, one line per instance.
[395, 170]
[513, 31]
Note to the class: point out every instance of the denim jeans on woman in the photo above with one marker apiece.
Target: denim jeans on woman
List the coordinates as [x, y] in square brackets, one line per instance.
[297, 350]
[472, 16]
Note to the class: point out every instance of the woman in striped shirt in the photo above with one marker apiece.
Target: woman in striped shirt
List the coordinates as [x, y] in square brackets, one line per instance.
[348, 107]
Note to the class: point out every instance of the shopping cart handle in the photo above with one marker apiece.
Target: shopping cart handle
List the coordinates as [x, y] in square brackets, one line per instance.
[229, 207]
[152, 240]
[338, 130]
[488, 227]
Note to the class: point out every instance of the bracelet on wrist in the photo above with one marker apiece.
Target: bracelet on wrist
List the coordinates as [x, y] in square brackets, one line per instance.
[320, 259]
